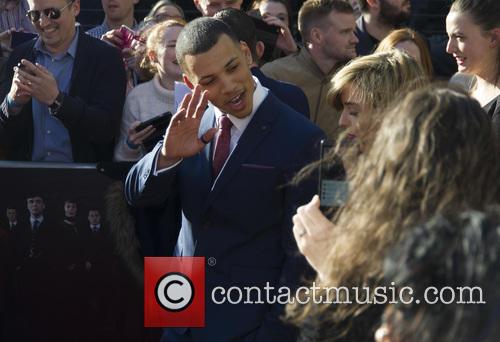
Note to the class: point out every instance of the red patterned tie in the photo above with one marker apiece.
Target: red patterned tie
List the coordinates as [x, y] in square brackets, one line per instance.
[222, 145]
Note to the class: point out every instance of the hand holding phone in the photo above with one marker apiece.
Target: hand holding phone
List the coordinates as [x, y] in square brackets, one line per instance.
[332, 187]
[128, 36]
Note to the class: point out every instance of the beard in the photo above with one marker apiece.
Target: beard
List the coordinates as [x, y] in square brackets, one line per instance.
[390, 15]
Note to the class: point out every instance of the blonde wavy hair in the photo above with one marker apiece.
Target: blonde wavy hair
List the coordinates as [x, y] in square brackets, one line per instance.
[409, 35]
[435, 152]
[154, 36]
[376, 81]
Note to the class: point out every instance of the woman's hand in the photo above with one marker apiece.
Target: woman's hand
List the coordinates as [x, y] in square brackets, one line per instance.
[312, 231]
[135, 138]
[285, 41]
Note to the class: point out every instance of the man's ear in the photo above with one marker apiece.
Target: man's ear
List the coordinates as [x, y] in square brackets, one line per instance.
[75, 7]
[260, 48]
[246, 51]
[375, 4]
[316, 35]
[187, 81]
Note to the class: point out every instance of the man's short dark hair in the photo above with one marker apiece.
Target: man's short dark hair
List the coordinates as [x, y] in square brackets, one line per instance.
[199, 36]
[242, 25]
[363, 5]
[313, 12]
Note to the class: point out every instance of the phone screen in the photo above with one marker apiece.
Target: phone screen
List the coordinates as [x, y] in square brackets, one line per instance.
[332, 187]
[20, 37]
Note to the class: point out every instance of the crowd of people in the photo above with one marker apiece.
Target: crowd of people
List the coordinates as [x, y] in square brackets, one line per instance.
[248, 103]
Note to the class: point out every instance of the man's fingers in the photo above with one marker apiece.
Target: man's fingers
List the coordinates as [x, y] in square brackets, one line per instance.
[208, 136]
[195, 98]
[23, 87]
[185, 101]
[28, 66]
[178, 117]
[202, 105]
[42, 69]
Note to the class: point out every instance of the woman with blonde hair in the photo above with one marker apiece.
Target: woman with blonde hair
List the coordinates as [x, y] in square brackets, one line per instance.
[368, 84]
[154, 97]
[412, 43]
[434, 153]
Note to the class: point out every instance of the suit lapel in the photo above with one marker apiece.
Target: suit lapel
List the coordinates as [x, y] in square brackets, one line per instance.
[257, 129]
[79, 57]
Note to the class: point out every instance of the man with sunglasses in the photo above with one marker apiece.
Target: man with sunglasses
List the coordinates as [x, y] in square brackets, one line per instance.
[63, 92]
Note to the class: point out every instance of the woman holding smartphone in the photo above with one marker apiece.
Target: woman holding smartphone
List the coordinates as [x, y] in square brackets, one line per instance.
[473, 28]
[154, 97]
[433, 153]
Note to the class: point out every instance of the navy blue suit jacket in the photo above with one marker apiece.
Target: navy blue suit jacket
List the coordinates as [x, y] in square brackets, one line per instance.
[245, 220]
[91, 111]
[288, 93]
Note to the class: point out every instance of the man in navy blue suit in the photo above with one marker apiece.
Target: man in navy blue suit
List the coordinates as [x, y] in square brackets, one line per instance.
[229, 168]
[244, 28]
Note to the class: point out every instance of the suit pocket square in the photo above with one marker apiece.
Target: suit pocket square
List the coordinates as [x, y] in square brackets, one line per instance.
[258, 166]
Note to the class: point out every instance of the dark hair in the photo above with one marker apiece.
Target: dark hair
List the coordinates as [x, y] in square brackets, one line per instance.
[199, 36]
[450, 250]
[363, 5]
[162, 3]
[256, 3]
[484, 13]
[242, 25]
[313, 12]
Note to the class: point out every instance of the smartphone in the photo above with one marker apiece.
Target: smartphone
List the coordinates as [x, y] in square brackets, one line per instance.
[159, 122]
[268, 34]
[20, 37]
[332, 187]
[128, 36]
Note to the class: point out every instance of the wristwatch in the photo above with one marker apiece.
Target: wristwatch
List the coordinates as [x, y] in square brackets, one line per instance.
[58, 102]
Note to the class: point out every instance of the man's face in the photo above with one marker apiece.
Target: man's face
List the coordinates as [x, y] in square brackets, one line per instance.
[118, 10]
[94, 217]
[56, 34]
[223, 71]
[339, 42]
[394, 12]
[209, 7]
[70, 209]
[35, 206]
[11, 214]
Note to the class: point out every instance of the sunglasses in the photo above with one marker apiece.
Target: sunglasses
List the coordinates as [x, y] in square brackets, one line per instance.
[51, 13]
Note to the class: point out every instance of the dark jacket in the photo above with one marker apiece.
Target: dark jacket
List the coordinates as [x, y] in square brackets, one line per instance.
[91, 111]
[243, 220]
[286, 92]
[367, 44]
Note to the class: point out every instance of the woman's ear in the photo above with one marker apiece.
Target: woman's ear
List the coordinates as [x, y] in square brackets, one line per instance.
[152, 56]
[495, 38]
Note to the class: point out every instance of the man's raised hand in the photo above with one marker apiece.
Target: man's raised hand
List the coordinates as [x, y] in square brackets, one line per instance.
[181, 138]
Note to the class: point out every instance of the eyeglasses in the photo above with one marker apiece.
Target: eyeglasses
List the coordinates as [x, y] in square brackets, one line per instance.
[51, 13]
